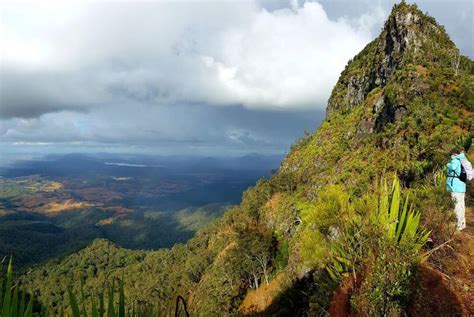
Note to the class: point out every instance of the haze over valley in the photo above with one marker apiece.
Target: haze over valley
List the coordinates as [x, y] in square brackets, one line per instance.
[60, 203]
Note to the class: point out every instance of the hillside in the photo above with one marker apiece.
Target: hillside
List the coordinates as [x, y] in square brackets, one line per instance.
[317, 228]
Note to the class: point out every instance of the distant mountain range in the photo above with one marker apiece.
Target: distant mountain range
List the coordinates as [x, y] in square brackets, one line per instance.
[76, 164]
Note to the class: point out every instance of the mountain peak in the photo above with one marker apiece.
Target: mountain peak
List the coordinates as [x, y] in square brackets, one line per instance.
[409, 37]
[409, 30]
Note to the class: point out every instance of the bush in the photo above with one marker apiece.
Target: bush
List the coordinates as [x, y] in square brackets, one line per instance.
[375, 241]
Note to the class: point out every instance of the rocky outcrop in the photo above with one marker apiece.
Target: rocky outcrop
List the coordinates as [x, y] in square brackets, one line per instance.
[356, 92]
[398, 38]
[401, 42]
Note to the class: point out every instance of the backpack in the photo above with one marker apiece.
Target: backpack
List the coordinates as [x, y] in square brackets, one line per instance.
[467, 173]
[463, 176]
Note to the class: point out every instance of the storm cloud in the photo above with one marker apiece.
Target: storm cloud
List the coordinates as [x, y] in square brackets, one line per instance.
[173, 52]
[185, 129]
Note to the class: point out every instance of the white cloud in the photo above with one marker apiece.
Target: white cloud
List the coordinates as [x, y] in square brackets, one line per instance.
[95, 53]
[285, 58]
[170, 76]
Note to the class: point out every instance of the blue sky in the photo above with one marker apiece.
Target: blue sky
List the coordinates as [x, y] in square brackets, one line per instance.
[190, 77]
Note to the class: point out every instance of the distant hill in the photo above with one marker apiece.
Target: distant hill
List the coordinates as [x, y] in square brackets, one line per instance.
[80, 164]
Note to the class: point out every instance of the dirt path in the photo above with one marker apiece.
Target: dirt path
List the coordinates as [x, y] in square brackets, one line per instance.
[446, 282]
[459, 265]
[469, 222]
[464, 244]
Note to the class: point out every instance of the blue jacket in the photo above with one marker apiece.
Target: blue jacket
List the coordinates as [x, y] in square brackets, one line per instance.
[453, 168]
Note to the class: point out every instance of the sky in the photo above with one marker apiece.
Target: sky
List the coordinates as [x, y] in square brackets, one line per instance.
[182, 77]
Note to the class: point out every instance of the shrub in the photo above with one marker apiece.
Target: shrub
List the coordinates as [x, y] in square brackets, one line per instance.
[374, 240]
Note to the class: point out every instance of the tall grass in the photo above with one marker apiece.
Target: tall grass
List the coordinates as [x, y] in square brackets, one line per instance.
[119, 309]
[97, 306]
[16, 303]
[12, 301]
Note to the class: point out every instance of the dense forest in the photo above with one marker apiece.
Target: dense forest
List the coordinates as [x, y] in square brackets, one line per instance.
[342, 226]
[56, 205]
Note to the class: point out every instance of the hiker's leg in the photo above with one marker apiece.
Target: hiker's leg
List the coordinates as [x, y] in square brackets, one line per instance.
[459, 210]
[462, 212]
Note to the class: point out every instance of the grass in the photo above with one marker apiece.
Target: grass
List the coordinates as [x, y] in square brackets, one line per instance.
[97, 307]
[12, 301]
[15, 303]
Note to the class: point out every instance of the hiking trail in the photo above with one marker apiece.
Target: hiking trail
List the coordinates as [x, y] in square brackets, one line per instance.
[448, 285]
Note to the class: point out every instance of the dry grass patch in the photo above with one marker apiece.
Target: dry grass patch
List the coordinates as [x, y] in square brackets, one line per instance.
[52, 186]
[259, 300]
[57, 207]
[105, 222]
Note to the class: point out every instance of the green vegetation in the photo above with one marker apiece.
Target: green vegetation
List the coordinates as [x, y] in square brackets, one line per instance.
[107, 305]
[196, 218]
[325, 220]
[375, 238]
[33, 237]
[65, 203]
[13, 302]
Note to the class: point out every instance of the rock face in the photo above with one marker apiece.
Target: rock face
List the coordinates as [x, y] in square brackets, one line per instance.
[397, 39]
[401, 94]
[406, 36]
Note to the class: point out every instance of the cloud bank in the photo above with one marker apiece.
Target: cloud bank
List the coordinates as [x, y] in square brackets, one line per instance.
[175, 76]
[81, 57]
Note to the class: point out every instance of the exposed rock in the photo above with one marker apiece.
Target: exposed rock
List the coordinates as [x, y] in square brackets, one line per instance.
[379, 103]
[401, 42]
[355, 92]
[366, 126]
[399, 111]
[397, 39]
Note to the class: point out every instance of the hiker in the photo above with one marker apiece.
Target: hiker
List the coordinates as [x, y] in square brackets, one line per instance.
[459, 171]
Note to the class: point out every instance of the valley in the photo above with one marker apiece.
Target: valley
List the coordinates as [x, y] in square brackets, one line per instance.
[58, 205]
